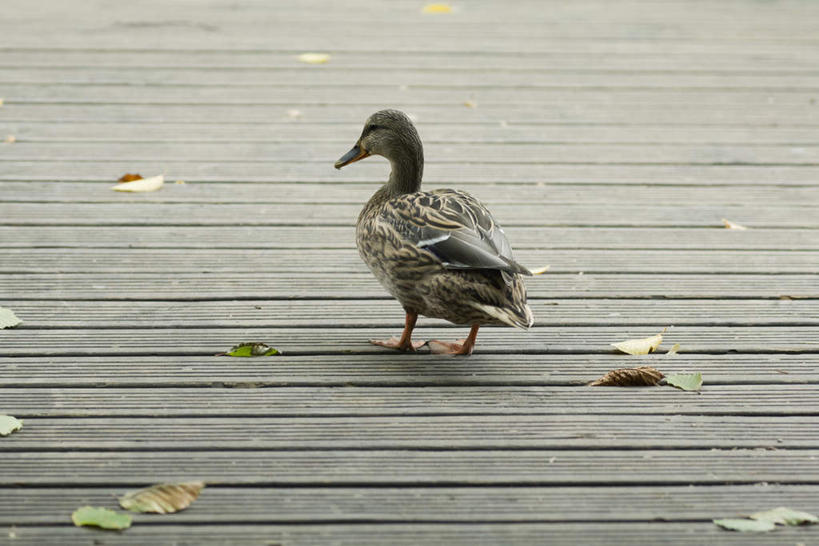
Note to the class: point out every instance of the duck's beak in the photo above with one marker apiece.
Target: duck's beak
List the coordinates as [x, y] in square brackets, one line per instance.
[357, 152]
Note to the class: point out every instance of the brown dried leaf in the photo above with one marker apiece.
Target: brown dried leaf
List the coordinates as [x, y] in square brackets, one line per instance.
[128, 177]
[163, 498]
[642, 376]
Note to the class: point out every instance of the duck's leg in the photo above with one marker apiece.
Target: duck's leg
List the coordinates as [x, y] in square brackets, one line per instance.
[405, 343]
[460, 347]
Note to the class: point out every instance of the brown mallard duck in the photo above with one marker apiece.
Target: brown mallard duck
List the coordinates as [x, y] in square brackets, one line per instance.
[439, 253]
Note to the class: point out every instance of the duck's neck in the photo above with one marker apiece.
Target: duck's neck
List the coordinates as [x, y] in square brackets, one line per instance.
[407, 169]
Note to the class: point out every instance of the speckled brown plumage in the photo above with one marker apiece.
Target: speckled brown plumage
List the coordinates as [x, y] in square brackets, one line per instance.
[439, 253]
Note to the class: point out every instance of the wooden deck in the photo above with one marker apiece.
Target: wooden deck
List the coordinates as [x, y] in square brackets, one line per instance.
[610, 139]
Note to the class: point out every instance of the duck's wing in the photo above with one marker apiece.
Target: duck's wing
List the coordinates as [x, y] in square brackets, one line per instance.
[455, 227]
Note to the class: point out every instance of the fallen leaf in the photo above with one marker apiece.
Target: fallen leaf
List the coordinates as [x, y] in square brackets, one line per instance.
[643, 376]
[785, 516]
[437, 8]
[163, 498]
[245, 349]
[314, 58]
[470, 104]
[10, 139]
[8, 319]
[685, 381]
[100, 517]
[641, 346]
[9, 424]
[745, 525]
[180, 182]
[731, 225]
[152, 183]
[673, 350]
[540, 270]
[128, 177]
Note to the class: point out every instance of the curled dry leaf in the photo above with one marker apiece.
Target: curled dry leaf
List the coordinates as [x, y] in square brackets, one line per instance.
[163, 498]
[314, 58]
[437, 8]
[785, 516]
[246, 349]
[8, 319]
[100, 517]
[641, 346]
[142, 185]
[643, 376]
[685, 381]
[540, 270]
[745, 525]
[128, 177]
[9, 424]
[732, 225]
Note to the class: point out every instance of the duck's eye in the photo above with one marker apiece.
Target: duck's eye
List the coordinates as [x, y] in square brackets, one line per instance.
[372, 128]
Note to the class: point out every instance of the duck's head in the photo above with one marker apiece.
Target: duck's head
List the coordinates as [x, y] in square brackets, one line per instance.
[388, 133]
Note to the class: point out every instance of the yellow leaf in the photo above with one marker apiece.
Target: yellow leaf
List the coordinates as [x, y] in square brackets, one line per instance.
[145, 184]
[731, 225]
[10, 139]
[471, 104]
[641, 346]
[437, 8]
[674, 349]
[179, 182]
[314, 58]
[541, 270]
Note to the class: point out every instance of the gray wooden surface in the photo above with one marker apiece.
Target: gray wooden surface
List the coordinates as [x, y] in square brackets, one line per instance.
[610, 139]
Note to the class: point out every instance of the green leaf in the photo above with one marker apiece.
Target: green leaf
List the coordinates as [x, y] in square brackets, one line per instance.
[9, 424]
[685, 381]
[8, 319]
[163, 498]
[746, 525]
[785, 516]
[246, 349]
[100, 517]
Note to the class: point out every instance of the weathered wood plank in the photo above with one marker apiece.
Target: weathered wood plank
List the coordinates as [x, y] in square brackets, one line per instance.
[408, 467]
[28, 506]
[433, 133]
[462, 153]
[394, 77]
[341, 261]
[762, 400]
[435, 174]
[358, 193]
[592, 533]
[422, 432]
[23, 341]
[391, 370]
[343, 237]
[258, 285]
[545, 214]
[351, 313]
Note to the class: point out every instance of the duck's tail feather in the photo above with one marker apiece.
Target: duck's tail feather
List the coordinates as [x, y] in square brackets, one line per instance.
[520, 317]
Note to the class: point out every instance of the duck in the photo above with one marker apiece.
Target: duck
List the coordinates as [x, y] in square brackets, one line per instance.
[440, 253]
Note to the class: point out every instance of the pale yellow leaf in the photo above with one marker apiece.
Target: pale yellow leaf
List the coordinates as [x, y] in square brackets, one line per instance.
[10, 139]
[674, 349]
[732, 225]
[641, 346]
[314, 58]
[437, 8]
[179, 182]
[540, 270]
[470, 104]
[152, 183]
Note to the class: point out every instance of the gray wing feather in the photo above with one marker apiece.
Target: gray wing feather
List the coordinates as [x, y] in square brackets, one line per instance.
[456, 228]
